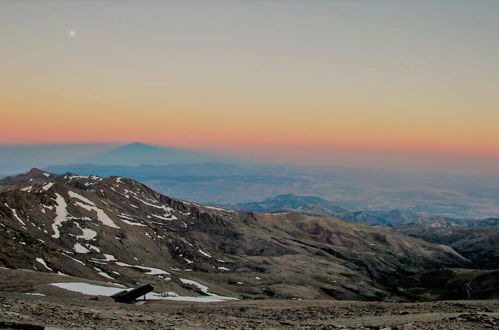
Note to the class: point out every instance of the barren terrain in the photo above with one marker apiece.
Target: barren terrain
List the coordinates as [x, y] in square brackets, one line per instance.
[82, 312]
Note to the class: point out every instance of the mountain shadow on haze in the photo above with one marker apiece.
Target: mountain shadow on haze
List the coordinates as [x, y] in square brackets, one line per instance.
[135, 154]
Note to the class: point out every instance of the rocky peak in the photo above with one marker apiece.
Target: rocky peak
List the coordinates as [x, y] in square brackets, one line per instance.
[35, 174]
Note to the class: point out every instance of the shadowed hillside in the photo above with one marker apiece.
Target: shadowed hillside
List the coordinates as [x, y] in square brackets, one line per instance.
[118, 230]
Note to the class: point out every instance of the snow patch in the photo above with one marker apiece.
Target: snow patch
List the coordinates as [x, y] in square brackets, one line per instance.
[41, 261]
[167, 217]
[88, 289]
[204, 253]
[47, 186]
[35, 294]
[87, 234]
[150, 270]
[80, 197]
[201, 287]
[14, 212]
[109, 257]
[80, 248]
[101, 215]
[133, 223]
[95, 248]
[103, 274]
[125, 217]
[100, 290]
[205, 289]
[61, 214]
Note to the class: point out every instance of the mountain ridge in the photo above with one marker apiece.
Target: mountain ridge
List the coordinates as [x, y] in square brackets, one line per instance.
[116, 229]
[476, 239]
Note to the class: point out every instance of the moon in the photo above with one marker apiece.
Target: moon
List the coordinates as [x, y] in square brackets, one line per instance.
[72, 33]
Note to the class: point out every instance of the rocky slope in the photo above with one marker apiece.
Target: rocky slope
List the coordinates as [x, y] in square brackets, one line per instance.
[120, 231]
[479, 244]
[475, 239]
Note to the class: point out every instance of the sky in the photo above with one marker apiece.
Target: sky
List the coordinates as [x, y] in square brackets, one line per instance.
[383, 83]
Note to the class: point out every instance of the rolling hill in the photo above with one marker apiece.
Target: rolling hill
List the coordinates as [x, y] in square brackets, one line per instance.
[293, 203]
[479, 244]
[117, 230]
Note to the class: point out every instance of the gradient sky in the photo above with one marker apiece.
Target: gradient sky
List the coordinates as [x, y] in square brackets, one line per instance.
[301, 81]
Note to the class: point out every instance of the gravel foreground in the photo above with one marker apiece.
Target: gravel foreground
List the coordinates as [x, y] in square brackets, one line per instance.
[21, 311]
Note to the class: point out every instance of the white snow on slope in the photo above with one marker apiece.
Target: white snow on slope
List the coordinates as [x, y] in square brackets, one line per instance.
[61, 214]
[125, 217]
[133, 223]
[76, 260]
[88, 289]
[80, 197]
[93, 247]
[109, 257]
[72, 176]
[41, 261]
[80, 248]
[150, 270]
[204, 253]
[205, 289]
[87, 234]
[100, 290]
[169, 217]
[35, 294]
[162, 207]
[14, 212]
[101, 215]
[48, 186]
[201, 287]
[103, 274]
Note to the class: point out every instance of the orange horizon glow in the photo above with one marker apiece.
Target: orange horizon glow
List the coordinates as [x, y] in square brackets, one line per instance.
[202, 128]
[349, 79]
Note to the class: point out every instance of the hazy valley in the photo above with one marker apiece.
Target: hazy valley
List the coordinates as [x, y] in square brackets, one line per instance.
[212, 179]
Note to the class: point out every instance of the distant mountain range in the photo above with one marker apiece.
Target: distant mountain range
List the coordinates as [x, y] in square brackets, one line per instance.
[223, 182]
[315, 205]
[208, 178]
[118, 230]
[204, 169]
[289, 202]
